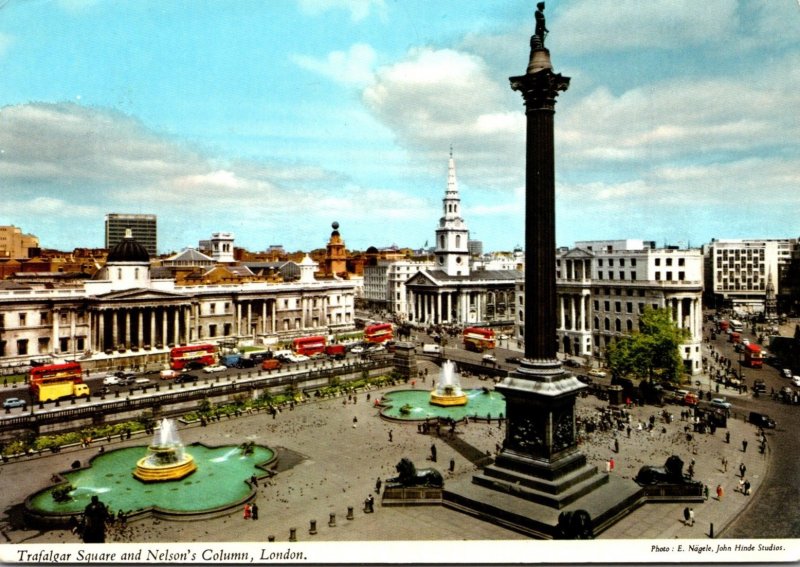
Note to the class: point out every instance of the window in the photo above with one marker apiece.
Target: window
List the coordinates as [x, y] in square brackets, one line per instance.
[600, 262]
[212, 309]
[633, 276]
[22, 346]
[597, 323]
[629, 307]
[23, 319]
[669, 261]
[658, 261]
[641, 308]
[611, 262]
[212, 330]
[597, 305]
[681, 261]
[669, 276]
[629, 325]
[607, 324]
[622, 275]
[622, 262]
[618, 326]
[658, 276]
[607, 305]
[617, 307]
[63, 345]
[44, 345]
[681, 276]
[43, 316]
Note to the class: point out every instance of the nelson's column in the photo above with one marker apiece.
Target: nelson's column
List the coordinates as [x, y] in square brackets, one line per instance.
[540, 473]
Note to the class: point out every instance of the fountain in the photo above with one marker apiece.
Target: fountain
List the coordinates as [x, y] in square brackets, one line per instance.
[166, 458]
[448, 390]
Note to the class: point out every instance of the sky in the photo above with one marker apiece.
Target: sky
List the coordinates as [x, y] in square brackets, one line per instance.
[272, 119]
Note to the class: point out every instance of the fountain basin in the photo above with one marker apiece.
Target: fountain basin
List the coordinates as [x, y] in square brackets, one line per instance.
[219, 485]
[415, 405]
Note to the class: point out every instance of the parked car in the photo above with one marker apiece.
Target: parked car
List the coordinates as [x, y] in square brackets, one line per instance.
[513, 359]
[720, 403]
[141, 381]
[486, 358]
[357, 349]
[759, 386]
[572, 363]
[214, 368]
[597, 373]
[761, 420]
[796, 381]
[14, 403]
[185, 378]
[787, 373]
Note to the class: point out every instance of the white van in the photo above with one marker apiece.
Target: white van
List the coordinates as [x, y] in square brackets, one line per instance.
[431, 348]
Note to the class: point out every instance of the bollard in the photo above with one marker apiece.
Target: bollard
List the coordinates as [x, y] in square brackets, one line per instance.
[711, 531]
[313, 528]
[349, 512]
[292, 534]
[332, 520]
[270, 538]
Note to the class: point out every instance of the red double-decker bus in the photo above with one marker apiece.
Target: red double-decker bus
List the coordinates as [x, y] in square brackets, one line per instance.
[200, 355]
[308, 346]
[56, 381]
[753, 357]
[379, 333]
[478, 339]
[68, 371]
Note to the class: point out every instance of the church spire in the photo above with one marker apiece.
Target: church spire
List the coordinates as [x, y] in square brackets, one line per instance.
[452, 254]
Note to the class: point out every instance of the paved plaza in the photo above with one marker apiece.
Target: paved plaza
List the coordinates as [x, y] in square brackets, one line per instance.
[332, 452]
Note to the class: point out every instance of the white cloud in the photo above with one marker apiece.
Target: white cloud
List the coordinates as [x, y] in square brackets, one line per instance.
[359, 9]
[353, 67]
[435, 98]
[614, 25]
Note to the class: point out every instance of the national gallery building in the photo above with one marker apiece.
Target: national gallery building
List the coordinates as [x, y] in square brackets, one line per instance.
[123, 311]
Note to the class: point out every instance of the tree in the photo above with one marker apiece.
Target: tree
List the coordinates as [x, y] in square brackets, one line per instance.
[652, 351]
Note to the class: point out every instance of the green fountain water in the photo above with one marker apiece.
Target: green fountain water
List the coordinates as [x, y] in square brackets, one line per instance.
[219, 481]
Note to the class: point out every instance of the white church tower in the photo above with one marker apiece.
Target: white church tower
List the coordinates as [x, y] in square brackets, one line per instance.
[452, 253]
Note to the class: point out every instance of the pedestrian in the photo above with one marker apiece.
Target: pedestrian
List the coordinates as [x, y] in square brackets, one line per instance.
[744, 445]
[747, 488]
[378, 484]
[247, 511]
[686, 515]
[727, 437]
[629, 431]
[390, 432]
[355, 421]
[254, 480]
[691, 516]
[720, 492]
[616, 445]
[433, 452]
[690, 471]
[611, 464]
[254, 511]
[742, 470]
[724, 464]
[705, 492]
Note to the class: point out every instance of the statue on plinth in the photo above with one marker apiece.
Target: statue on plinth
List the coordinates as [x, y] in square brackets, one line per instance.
[410, 476]
[537, 40]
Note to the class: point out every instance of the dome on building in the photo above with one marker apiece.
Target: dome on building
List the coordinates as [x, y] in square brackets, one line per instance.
[128, 250]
